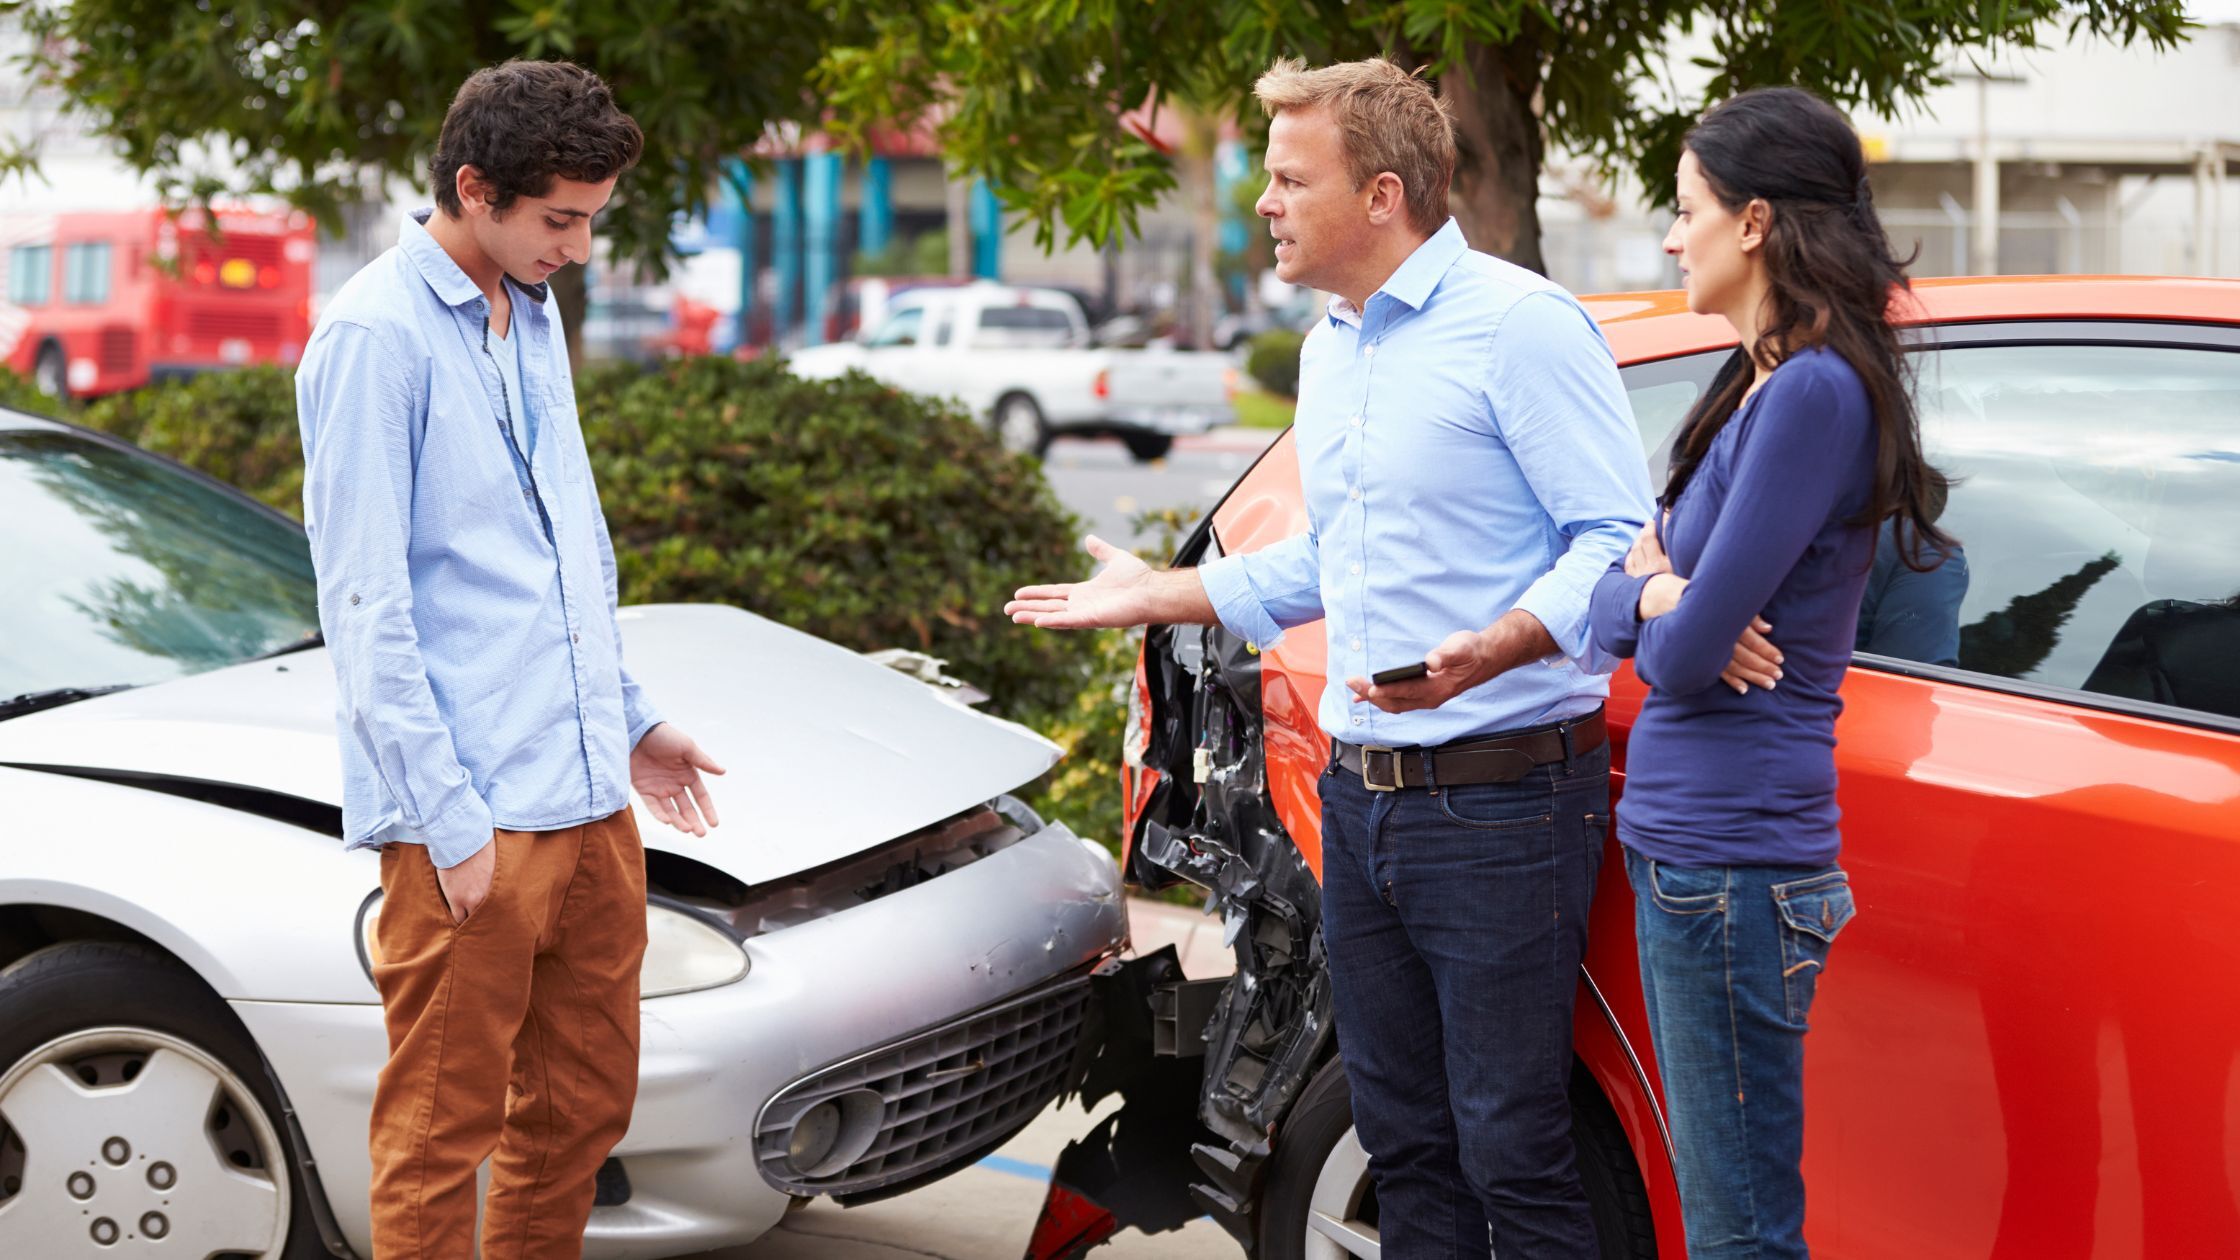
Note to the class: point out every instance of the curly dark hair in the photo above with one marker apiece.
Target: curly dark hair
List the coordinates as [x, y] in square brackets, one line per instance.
[523, 123]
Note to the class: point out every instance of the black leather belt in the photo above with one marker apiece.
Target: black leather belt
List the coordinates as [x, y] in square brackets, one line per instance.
[1502, 759]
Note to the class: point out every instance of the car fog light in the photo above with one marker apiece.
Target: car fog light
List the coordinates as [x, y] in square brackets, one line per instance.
[683, 953]
[835, 1133]
[813, 1136]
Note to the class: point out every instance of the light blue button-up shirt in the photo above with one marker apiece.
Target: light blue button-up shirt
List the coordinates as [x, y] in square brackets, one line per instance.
[1466, 449]
[466, 579]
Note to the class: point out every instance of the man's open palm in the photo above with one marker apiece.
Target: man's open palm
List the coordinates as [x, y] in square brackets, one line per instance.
[665, 768]
[1117, 596]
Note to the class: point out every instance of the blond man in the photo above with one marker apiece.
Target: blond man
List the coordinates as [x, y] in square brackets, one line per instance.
[1470, 467]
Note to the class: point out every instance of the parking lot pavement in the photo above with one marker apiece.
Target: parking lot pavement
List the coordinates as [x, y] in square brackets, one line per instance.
[1096, 478]
[988, 1211]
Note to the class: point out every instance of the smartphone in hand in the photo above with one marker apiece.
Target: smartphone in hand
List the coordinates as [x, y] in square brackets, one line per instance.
[1399, 673]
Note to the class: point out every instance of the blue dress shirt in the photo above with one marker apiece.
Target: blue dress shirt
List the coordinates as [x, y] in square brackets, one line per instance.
[466, 579]
[1466, 449]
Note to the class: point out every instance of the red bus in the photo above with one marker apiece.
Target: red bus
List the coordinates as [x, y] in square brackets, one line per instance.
[99, 302]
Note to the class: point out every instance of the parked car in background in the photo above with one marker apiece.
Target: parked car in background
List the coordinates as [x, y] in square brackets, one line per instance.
[97, 303]
[1021, 358]
[2029, 1040]
[874, 973]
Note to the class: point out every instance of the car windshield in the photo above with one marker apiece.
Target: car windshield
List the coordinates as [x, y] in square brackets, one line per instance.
[121, 570]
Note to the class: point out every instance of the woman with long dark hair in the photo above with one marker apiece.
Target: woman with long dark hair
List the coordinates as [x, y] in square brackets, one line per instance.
[1740, 606]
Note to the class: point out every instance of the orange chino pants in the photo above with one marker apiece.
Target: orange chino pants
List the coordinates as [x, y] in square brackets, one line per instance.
[513, 1037]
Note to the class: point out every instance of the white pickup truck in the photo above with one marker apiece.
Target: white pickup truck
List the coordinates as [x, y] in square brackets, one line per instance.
[1021, 359]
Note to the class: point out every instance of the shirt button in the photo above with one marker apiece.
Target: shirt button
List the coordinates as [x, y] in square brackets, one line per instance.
[353, 601]
[1357, 721]
[1354, 493]
[575, 638]
[1355, 422]
[1357, 645]
[1357, 568]
[1370, 350]
[526, 495]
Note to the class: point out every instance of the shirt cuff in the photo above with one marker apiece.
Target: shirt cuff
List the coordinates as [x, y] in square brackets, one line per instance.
[1229, 589]
[459, 833]
[639, 717]
[1562, 612]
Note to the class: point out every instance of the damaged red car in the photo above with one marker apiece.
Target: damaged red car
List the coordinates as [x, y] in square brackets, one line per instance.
[2029, 1044]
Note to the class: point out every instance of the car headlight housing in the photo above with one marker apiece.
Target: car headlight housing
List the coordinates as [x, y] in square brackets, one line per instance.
[684, 952]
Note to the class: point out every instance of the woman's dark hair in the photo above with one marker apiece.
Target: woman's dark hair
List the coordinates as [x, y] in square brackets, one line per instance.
[1832, 278]
[523, 123]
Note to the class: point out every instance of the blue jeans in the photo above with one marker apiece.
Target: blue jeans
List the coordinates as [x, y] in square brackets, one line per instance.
[1730, 958]
[1455, 920]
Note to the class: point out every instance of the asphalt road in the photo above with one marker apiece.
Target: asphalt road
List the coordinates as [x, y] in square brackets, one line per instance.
[1096, 478]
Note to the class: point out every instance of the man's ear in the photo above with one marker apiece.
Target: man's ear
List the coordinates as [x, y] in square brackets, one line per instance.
[1388, 198]
[473, 190]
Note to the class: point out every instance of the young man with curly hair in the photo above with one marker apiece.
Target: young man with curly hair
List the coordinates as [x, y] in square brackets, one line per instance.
[490, 734]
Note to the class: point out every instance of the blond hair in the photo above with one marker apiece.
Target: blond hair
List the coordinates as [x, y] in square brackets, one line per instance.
[1388, 120]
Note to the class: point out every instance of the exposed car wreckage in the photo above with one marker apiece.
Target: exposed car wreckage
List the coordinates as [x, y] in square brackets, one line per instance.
[1206, 1068]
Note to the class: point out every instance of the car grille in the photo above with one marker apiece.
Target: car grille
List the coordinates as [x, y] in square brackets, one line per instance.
[215, 323]
[948, 1096]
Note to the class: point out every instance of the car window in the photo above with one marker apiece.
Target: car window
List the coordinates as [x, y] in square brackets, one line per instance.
[121, 569]
[901, 328]
[30, 274]
[1022, 328]
[85, 273]
[1661, 394]
[2096, 500]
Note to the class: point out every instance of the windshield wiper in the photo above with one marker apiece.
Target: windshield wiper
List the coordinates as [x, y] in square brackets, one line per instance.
[33, 701]
[304, 644]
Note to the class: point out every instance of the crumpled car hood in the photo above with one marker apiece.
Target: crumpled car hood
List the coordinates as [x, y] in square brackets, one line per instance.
[828, 754]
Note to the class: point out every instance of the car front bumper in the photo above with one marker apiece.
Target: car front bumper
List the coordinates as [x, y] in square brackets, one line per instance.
[819, 993]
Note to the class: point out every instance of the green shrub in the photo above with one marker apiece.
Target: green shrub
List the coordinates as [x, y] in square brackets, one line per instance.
[237, 426]
[848, 509]
[1273, 360]
[18, 392]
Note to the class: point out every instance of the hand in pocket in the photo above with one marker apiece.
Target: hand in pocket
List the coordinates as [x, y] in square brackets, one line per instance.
[467, 885]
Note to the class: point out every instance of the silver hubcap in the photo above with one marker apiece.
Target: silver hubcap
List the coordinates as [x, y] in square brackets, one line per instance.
[1017, 424]
[114, 1140]
[1334, 1225]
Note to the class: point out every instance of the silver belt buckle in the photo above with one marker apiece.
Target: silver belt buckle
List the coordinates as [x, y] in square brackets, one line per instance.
[1399, 779]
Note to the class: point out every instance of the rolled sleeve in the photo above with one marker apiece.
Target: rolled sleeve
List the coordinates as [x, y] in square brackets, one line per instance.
[359, 417]
[1260, 594]
[1616, 614]
[1562, 411]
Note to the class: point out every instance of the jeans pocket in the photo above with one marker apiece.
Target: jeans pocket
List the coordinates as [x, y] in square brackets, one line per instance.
[1688, 889]
[1494, 806]
[1812, 910]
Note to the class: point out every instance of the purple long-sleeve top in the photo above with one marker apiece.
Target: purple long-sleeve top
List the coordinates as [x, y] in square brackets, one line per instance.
[1763, 526]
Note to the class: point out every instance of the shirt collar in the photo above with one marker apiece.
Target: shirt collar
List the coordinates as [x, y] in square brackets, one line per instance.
[1413, 282]
[443, 275]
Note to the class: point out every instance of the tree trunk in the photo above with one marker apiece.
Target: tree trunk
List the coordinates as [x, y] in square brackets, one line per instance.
[1200, 135]
[1497, 130]
[572, 299]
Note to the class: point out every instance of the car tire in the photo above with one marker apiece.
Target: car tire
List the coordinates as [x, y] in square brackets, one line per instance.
[113, 1058]
[1148, 446]
[50, 372]
[1017, 422]
[1318, 1167]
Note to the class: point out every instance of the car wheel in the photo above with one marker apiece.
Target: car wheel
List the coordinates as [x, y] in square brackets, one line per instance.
[133, 1106]
[1317, 1201]
[50, 373]
[1148, 446]
[1019, 425]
